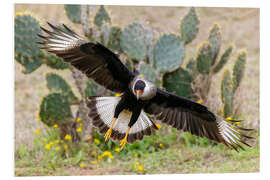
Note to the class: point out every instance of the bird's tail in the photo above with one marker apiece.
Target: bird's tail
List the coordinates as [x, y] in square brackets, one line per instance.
[102, 113]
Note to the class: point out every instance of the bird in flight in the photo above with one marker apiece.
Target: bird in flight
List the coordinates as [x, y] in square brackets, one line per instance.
[128, 118]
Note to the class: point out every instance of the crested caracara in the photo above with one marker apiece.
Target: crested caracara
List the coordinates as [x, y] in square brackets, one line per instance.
[125, 118]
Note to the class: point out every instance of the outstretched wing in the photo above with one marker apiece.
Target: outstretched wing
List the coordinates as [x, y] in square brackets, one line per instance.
[195, 118]
[93, 59]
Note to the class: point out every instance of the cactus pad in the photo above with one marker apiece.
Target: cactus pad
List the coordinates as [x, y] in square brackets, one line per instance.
[215, 41]
[55, 109]
[149, 73]
[114, 39]
[227, 93]
[56, 83]
[73, 12]
[105, 34]
[178, 82]
[102, 17]
[149, 37]
[223, 60]
[204, 58]
[27, 52]
[238, 69]
[190, 26]
[133, 41]
[55, 62]
[169, 52]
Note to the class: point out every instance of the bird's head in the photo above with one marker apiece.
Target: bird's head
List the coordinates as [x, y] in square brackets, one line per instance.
[143, 89]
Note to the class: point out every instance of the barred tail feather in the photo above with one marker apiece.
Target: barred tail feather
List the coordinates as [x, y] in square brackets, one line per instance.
[102, 112]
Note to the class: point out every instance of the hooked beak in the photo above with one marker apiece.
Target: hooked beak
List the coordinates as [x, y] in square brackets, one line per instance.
[138, 93]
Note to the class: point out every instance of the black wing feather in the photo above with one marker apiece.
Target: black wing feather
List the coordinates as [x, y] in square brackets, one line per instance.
[195, 118]
[93, 59]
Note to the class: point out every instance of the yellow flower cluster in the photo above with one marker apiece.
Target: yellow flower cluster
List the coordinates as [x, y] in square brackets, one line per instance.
[105, 154]
[67, 137]
[96, 141]
[82, 165]
[139, 167]
[161, 145]
[117, 149]
[55, 126]
[199, 101]
[78, 119]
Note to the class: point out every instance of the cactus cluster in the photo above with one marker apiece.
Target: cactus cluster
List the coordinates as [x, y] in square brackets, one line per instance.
[230, 84]
[158, 59]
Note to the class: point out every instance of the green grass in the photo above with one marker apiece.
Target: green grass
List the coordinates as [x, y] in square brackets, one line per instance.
[174, 153]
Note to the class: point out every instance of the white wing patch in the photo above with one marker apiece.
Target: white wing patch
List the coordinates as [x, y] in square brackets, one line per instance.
[106, 107]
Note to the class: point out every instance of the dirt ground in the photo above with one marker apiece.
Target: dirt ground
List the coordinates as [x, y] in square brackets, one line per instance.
[238, 25]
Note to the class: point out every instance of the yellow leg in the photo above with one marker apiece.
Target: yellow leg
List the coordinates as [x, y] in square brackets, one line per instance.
[109, 132]
[124, 140]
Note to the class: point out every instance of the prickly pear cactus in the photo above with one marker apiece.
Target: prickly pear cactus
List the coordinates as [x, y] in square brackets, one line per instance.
[149, 38]
[73, 12]
[215, 41]
[169, 52]
[105, 34]
[227, 93]
[223, 60]
[204, 58]
[55, 109]
[102, 17]
[190, 26]
[238, 69]
[54, 62]
[114, 39]
[56, 83]
[27, 53]
[133, 41]
[178, 82]
[149, 73]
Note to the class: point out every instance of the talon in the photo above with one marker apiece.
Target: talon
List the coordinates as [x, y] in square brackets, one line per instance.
[123, 142]
[108, 134]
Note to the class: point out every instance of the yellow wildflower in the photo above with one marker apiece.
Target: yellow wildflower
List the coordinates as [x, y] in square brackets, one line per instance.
[55, 126]
[67, 137]
[88, 138]
[37, 131]
[117, 149]
[79, 129]
[80, 124]
[82, 165]
[48, 146]
[38, 116]
[78, 119]
[108, 154]
[158, 126]
[136, 155]
[161, 145]
[137, 164]
[141, 75]
[140, 167]
[199, 101]
[229, 118]
[97, 141]
[51, 143]
[57, 141]
[57, 148]
[99, 157]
